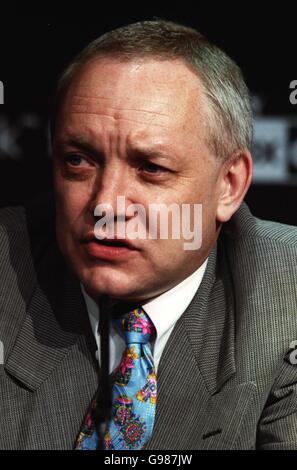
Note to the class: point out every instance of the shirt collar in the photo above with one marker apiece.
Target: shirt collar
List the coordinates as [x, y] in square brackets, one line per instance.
[167, 308]
[175, 301]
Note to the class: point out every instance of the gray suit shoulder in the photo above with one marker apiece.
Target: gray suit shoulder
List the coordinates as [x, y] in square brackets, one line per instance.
[262, 259]
[245, 226]
[26, 236]
[34, 219]
[13, 240]
[12, 219]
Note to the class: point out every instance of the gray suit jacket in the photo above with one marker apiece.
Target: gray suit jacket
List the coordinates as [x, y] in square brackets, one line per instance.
[224, 379]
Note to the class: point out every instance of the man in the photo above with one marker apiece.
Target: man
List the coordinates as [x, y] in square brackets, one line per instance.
[155, 114]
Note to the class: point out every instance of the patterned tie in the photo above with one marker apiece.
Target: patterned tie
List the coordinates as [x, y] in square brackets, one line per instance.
[133, 393]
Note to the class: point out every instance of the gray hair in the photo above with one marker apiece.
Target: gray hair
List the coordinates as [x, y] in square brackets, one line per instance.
[230, 125]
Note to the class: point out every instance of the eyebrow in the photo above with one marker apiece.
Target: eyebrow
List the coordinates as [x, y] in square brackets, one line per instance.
[78, 142]
[149, 152]
[134, 152]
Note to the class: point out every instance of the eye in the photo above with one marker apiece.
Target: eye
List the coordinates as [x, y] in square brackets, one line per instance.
[152, 168]
[76, 160]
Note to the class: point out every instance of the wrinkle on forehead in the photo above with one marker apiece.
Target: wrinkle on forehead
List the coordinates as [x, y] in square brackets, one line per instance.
[99, 106]
[138, 121]
[95, 104]
[108, 98]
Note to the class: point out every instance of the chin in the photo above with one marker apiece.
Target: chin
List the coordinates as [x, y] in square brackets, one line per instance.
[102, 283]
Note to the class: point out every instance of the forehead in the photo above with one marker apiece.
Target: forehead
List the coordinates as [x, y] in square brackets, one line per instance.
[150, 76]
[162, 91]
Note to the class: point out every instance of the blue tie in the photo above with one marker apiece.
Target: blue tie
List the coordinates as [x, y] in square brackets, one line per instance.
[133, 393]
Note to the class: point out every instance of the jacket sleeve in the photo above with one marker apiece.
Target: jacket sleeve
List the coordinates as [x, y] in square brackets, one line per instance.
[277, 428]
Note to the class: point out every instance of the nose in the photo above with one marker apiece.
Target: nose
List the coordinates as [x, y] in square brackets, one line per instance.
[113, 192]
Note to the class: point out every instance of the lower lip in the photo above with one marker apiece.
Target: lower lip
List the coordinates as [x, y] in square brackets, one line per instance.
[100, 251]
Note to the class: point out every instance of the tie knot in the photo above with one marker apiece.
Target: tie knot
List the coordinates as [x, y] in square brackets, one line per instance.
[136, 326]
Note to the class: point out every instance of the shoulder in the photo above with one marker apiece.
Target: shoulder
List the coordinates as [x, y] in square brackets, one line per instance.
[261, 252]
[245, 227]
[12, 219]
[26, 234]
[13, 237]
[262, 262]
[24, 227]
[260, 245]
[262, 258]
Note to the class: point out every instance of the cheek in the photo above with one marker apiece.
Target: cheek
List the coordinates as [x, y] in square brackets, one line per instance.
[71, 198]
[70, 217]
[168, 251]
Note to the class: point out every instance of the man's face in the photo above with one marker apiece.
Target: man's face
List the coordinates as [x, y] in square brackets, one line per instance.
[136, 129]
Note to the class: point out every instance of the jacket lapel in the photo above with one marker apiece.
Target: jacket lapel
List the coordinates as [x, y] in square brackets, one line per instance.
[198, 396]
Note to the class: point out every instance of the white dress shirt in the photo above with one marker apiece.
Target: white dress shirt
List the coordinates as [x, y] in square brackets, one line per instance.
[164, 311]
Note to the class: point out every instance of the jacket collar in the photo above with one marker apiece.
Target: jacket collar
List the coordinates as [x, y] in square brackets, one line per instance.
[196, 379]
[209, 324]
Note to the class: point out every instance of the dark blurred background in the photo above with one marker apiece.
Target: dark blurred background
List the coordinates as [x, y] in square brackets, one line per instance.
[35, 49]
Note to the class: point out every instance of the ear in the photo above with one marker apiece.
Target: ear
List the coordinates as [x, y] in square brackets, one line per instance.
[235, 179]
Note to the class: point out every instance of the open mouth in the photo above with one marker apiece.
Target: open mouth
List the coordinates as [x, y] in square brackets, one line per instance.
[115, 243]
[108, 248]
[108, 242]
